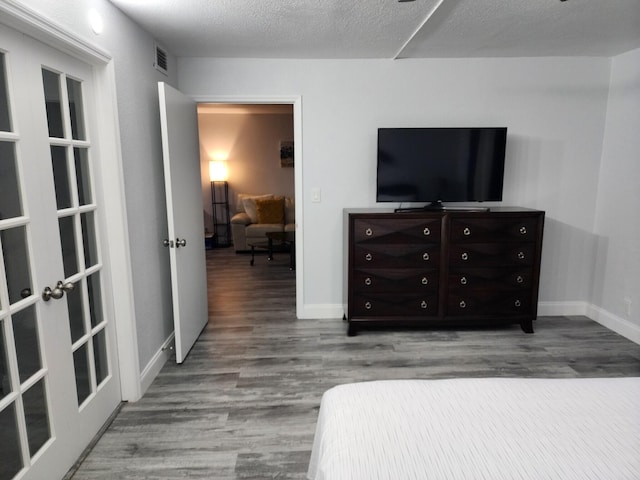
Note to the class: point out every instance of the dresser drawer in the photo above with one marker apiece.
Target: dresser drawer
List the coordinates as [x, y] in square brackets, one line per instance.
[396, 230]
[394, 280]
[496, 229]
[464, 280]
[491, 254]
[489, 303]
[412, 256]
[394, 305]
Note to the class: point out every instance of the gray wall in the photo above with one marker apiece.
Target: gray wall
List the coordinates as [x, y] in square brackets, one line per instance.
[617, 227]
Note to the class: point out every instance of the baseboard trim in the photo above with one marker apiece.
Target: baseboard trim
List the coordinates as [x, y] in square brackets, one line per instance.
[156, 363]
[607, 319]
[555, 309]
[613, 322]
[321, 311]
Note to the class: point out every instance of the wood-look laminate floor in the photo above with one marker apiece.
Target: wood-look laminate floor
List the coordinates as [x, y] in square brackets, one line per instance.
[245, 402]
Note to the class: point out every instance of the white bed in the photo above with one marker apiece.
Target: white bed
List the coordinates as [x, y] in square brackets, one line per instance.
[492, 428]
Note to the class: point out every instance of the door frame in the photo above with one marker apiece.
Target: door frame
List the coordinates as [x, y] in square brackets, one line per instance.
[296, 101]
[110, 181]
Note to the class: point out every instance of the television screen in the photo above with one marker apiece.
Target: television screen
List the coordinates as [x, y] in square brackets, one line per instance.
[440, 164]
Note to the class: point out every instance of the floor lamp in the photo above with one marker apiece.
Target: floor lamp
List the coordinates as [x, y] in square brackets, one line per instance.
[218, 175]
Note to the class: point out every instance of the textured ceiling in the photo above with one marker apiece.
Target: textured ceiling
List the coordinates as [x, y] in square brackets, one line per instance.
[388, 28]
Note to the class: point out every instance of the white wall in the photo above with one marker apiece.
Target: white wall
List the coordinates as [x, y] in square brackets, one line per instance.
[617, 270]
[137, 96]
[554, 108]
[251, 142]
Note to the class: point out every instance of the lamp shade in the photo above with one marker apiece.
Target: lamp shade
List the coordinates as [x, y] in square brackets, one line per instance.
[218, 171]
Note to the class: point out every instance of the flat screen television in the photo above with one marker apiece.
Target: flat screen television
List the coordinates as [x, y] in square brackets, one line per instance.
[436, 165]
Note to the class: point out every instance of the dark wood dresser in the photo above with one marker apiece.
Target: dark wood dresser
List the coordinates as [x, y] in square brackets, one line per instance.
[442, 268]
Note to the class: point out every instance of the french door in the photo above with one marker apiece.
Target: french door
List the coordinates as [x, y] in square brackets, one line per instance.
[58, 368]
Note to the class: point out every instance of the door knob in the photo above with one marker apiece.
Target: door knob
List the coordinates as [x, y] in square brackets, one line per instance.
[25, 292]
[48, 294]
[167, 243]
[58, 292]
[66, 287]
[181, 243]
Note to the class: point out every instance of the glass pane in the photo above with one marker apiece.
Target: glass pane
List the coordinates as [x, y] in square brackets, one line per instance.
[81, 366]
[81, 156]
[74, 90]
[10, 205]
[10, 458]
[36, 417]
[95, 299]
[16, 263]
[61, 176]
[5, 118]
[89, 239]
[25, 334]
[100, 356]
[5, 383]
[76, 313]
[69, 248]
[51, 82]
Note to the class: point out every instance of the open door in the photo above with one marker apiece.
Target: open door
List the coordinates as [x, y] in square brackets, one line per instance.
[181, 154]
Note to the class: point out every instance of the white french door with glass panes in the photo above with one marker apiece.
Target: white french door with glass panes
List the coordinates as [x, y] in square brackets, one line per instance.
[58, 368]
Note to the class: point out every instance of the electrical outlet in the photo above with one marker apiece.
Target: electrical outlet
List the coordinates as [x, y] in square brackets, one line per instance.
[627, 306]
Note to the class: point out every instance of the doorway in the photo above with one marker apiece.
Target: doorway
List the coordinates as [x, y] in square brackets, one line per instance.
[233, 131]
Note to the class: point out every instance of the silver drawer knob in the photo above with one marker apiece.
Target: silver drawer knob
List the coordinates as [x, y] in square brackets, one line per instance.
[367, 305]
[425, 280]
[517, 303]
[466, 231]
[368, 232]
[426, 231]
[425, 256]
[423, 305]
[523, 230]
[465, 256]
[521, 255]
[368, 257]
[463, 304]
[519, 279]
[463, 281]
[367, 281]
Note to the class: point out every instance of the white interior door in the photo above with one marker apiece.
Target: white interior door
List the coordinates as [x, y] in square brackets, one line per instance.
[58, 367]
[181, 153]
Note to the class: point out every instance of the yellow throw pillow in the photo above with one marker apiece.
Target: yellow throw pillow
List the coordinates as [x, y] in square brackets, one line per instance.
[270, 210]
[249, 204]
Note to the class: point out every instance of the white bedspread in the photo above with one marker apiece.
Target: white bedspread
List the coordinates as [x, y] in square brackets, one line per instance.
[476, 429]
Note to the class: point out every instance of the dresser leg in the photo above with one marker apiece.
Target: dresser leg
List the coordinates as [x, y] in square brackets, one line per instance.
[351, 330]
[527, 326]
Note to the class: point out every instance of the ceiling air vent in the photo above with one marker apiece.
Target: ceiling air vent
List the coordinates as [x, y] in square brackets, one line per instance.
[160, 61]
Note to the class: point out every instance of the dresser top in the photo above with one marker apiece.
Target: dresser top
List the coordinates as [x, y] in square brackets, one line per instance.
[446, 210]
